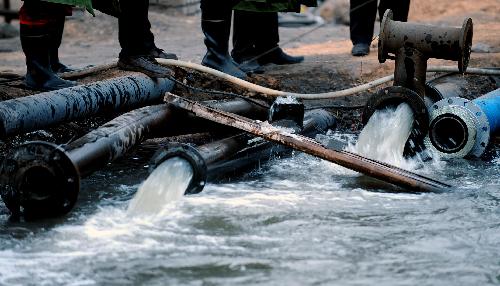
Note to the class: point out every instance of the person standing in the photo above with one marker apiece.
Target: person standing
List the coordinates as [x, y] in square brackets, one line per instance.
[41, 29]
[256, 34]
[362, 20]
[216, 18]
[256, 41]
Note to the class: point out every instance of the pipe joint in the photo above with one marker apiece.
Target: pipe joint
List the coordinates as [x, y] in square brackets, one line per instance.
[448, 43]
[38, 179]
[462, 128]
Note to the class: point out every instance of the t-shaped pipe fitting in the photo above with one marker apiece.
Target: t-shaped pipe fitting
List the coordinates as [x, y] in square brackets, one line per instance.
[411, 45]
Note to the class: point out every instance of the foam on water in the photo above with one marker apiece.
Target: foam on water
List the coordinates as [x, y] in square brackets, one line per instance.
[167, 183]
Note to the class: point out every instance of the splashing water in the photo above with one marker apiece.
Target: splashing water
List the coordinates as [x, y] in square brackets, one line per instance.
[167, 183]
[385, 135]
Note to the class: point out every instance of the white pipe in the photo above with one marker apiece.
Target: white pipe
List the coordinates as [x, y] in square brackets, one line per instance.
[276, 93]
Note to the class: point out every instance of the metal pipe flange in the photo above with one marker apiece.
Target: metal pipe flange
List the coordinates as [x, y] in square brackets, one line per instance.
[458, 128]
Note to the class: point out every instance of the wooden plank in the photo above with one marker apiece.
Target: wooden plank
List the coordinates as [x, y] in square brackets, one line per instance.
[375, 169]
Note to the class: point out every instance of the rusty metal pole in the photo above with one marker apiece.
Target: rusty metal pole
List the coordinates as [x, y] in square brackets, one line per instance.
[42, 110]
[44, 179]
[375, 169]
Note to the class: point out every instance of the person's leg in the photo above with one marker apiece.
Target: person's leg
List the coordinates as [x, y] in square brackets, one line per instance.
[245, 27]
[267, 42]
[137, 44]
[400, 9]
[245, 33]
[362, 21]
[37, 18]
[112, 8]
[56, 39]
[216, 26]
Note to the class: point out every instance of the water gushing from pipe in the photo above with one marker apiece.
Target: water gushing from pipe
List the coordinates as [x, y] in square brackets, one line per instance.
[167, 183]
[385, 135]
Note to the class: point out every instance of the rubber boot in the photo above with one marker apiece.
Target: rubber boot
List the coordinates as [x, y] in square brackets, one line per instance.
[39, 73]
[56, 34]
[217, 31]
[267, 45]
[245, 35]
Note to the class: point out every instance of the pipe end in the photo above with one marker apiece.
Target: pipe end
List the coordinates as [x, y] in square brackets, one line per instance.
[393, 96]
[458, 129]
[382, 53]
[38, 180]
[189, 154]
[465, 45]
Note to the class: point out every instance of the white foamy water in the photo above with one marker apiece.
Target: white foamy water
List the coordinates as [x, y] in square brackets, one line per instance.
[167, 183]
[385, 135]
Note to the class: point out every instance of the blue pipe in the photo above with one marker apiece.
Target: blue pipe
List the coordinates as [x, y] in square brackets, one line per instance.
[464, 128]
[490, 105]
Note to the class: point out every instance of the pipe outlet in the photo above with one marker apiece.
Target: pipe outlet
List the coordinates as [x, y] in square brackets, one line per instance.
[189, 154]
[463, 128]
[39, 179]
[393, 96]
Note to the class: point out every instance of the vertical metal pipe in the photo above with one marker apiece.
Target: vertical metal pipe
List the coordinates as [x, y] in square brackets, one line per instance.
[410, 70]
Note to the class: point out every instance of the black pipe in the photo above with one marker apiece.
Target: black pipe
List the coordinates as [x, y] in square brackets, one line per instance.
[44, 178]
[231, 155]
[41, 110]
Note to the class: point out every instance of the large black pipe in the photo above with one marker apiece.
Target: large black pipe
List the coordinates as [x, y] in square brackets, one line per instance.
[41, 110]
[230, 155]
[44, 179]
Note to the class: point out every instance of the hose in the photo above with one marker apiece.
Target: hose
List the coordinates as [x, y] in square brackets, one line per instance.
[276, 93]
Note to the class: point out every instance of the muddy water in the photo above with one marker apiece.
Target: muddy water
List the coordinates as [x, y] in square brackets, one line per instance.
[295, 221]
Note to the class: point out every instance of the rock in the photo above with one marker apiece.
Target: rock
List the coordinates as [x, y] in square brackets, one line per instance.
[8, 31]
[336, 11]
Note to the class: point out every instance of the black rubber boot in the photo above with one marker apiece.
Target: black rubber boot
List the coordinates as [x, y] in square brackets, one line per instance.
[161, 54]
[217, 28]
[145, 64]
[55, 42]
[278, 57]
[39, 73]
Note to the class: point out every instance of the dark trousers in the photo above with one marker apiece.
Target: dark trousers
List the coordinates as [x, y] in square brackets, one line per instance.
[216, 18]
[134, 28]
[363, 14]
[254, 33]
